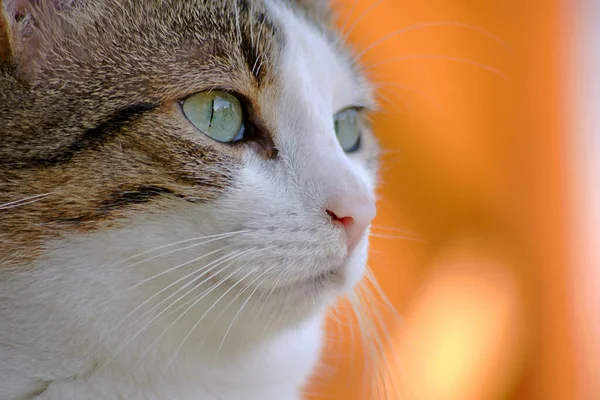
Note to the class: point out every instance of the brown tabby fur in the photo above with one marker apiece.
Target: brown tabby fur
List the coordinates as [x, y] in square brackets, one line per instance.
[89, 108]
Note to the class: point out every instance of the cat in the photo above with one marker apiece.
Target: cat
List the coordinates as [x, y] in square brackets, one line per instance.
[186, 187]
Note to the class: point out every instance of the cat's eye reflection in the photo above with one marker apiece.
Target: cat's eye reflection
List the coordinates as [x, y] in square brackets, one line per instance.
[218, 115]
[347, 129]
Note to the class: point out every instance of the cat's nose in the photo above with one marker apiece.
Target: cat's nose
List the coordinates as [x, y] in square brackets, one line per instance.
[354, 215]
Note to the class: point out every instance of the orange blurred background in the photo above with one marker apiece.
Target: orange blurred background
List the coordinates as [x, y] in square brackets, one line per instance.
[471, 244]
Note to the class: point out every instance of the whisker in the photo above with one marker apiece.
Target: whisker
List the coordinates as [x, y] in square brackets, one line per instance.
[358, 20]
[257, 303]
[251, 13]
[204, 269]
[369, 276]
[237, 22]
[275, 285]
[430, 25]
[380, 346]
[388, 101]
[363, 287]
[394, 229]
[189, 301]
[164, 272]
[195, 300]
[339, 335]
[387, 85]
[383, 325]
[407, 238]
[215, 237]
[24, 201]
[441, 57]
[140, 331]
[260, 29]
[348, 16]
[363, 324]
[208, 311]
[333, 315]
[263, 61]
[242, 306]
[352, 340]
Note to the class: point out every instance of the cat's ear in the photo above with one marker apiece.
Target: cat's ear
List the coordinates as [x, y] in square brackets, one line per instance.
[7, 41]
[22, 26]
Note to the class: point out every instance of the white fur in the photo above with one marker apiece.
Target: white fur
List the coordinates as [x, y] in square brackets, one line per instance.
[69, 328]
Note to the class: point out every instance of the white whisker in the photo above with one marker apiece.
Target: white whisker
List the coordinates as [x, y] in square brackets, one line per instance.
[394, 229]
[383, 325]
[391, 103]
[348, 16]
[221, 261]
[352, 338]
[242, 306]
[199, 271]
[441, 57]
[211, 237]
[408, 238]
[370, 361]
[164, 272]
[140, 331]
[430, 25]
[358, 20]
[237, 22]
[339, 334]
[24, 201]
[386, 85]
[265, 303]
[251, 25]
[194, 300]
[380, 349]
[207, 312]
[369, 276]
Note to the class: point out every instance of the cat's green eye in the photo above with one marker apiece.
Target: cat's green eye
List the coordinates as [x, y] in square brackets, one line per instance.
[216, 114]
[347, 129]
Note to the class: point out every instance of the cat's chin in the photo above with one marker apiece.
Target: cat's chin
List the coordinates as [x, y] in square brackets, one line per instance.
[349, 272]
[322, 289]
[340, 278]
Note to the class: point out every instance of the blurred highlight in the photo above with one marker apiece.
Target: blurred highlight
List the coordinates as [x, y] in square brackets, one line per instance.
[585, 210]
[483, 245]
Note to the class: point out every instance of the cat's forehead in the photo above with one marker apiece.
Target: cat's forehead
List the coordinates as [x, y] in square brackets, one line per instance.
[231, 44]
[164, 50]
[204, 44]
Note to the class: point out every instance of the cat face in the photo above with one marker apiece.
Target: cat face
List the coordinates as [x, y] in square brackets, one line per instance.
[108, 110]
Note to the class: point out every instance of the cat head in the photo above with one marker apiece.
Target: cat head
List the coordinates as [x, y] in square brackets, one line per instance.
[226, 139]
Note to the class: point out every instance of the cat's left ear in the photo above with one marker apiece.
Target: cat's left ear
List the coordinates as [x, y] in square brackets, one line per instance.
[21, 23]
[6, 35]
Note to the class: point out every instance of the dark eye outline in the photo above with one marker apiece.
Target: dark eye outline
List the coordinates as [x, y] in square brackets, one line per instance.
[241, 100]
[357, 144]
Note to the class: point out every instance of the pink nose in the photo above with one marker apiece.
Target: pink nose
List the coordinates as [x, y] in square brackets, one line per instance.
[355, 216]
